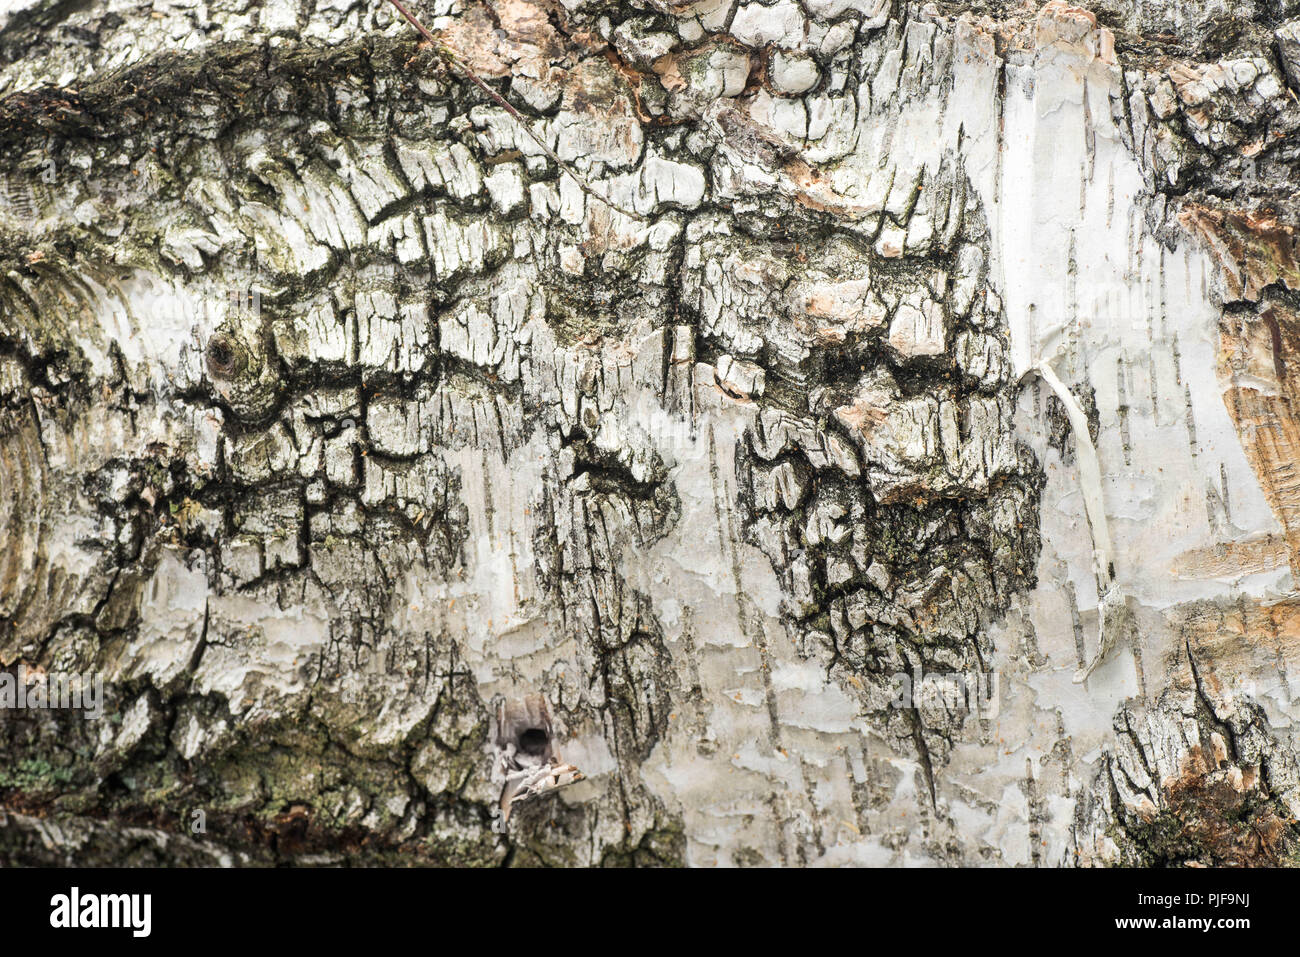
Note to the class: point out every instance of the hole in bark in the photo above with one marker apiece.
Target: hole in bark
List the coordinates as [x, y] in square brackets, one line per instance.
[524, 736]
[221, 356]
[534, 741]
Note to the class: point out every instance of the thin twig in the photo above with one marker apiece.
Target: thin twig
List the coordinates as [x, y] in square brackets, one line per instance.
[452, 59]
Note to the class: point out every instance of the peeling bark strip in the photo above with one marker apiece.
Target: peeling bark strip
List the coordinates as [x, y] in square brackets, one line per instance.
[564, 457]
[1112, 607]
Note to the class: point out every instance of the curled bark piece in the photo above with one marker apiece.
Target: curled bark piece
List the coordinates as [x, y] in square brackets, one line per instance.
[1112, 609]
[534, 782]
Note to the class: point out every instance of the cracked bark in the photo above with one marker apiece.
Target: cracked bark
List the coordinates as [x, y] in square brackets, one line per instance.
[336, 421]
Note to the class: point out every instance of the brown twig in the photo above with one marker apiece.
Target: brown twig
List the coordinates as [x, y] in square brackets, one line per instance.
[452, 59]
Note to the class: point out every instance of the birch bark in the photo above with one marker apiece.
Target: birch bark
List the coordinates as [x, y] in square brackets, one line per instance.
[415, 505]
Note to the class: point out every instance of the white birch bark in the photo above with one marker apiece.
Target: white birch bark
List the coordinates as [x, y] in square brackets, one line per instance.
[415, 505]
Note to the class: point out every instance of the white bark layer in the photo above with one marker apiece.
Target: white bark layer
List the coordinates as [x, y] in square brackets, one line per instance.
[470, 454]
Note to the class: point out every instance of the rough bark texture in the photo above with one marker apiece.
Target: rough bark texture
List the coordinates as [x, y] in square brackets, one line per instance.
[383, 473]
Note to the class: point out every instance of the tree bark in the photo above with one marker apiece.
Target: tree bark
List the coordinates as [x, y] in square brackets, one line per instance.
[910, 480]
